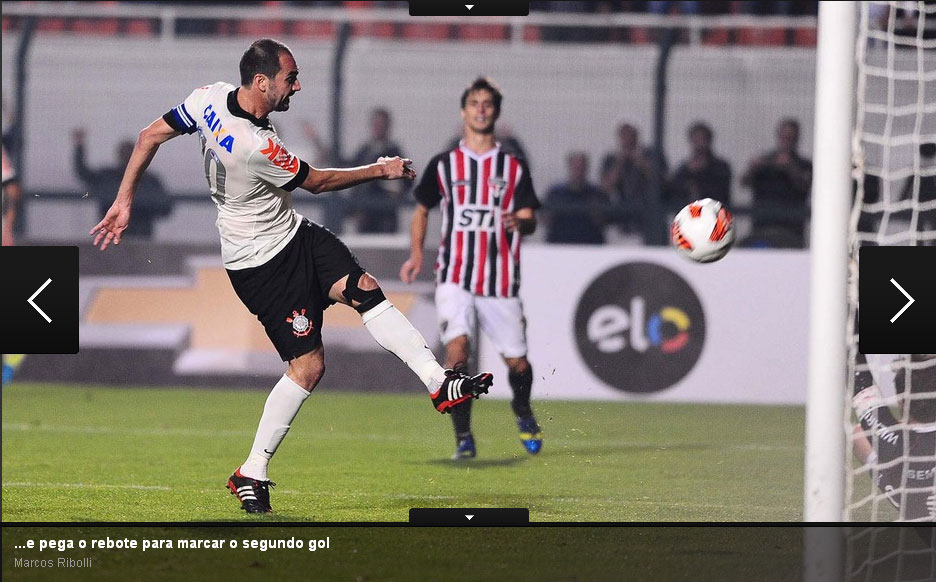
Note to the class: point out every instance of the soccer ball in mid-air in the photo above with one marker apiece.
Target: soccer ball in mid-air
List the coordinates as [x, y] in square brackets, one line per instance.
[702, 231]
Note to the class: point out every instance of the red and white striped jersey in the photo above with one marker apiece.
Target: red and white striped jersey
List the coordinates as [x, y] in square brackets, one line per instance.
[474, 191]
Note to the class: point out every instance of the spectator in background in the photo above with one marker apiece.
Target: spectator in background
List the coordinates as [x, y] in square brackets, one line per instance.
[334, 208]
[379, 199]
[779, 181]
[373, 206]
[627, 175]
[152, 202]
[767, 8]
[703, 175]
[575, 216]
[926, 222]
[664, 7]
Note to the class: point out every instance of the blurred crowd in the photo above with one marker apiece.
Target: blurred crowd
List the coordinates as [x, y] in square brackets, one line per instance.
[268, 22]
[580, 211]
[629, 192]
[783, 7]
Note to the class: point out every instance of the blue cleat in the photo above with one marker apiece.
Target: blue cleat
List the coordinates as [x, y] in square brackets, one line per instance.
[466, 449]
[530, 434]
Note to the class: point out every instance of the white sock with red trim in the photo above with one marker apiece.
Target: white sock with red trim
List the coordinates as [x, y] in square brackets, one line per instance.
[397, 335]
[280, 409]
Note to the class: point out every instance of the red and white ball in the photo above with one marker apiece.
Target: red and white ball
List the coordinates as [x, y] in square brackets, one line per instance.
[702, 231]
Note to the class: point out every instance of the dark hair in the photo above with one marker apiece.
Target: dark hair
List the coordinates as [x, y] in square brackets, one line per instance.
[791, 122]
[703, 127]
[486, 84]
[261, 57]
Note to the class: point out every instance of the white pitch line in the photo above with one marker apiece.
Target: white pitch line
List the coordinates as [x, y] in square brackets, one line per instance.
[23, 426]
[26, 427]
[86, 486]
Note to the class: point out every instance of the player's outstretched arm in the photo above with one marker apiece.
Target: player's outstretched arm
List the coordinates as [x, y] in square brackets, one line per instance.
[411, 268]
[117, 219]
[331, 179]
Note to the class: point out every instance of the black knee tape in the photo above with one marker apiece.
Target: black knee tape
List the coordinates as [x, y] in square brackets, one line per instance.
[367, 299]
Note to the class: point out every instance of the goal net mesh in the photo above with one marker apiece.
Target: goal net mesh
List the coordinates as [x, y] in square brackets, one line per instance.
[894, 147]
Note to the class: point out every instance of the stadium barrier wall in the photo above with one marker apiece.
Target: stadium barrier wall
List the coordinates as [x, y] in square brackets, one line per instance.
[728, 332]
[646, 324]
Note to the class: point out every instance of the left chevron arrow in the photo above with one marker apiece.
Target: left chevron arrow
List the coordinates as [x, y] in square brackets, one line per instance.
[36, 307]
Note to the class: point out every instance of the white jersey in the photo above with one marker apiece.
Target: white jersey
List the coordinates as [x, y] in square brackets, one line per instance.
[249, 171]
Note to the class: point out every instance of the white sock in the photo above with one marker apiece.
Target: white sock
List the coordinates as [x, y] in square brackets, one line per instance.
[397, 335]
[280, 409]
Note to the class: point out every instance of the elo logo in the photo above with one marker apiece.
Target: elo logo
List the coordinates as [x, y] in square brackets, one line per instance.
[606, 327]
[639, 327]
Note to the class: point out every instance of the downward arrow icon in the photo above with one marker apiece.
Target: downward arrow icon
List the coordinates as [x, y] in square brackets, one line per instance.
[910, 301]
[469, 516]
[469, 7]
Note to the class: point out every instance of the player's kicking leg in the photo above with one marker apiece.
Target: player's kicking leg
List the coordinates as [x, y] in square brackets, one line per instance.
[395, 333]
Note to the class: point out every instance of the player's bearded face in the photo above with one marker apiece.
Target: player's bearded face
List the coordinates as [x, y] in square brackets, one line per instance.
[284, 84]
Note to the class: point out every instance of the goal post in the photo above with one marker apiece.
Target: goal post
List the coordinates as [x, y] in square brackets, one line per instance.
[831, 202]
[894, 152]
[874, 184]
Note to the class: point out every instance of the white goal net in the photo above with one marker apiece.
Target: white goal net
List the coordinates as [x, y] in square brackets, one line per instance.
[890, 412]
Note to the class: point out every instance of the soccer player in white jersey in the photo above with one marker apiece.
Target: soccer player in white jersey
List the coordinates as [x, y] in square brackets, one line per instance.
[284, 268]
[487, 201]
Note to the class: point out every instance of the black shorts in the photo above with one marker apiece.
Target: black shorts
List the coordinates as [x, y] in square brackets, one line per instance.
[289, 292]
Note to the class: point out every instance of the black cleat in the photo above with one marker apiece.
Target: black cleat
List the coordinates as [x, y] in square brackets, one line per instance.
[254, 495]
[459, 387]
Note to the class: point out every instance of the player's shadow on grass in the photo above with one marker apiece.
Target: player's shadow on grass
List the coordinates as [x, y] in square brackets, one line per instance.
[567, 450]
[473, 463]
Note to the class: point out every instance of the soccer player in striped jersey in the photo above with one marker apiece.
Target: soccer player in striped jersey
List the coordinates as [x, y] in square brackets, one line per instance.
[284, 268]
[487, 201]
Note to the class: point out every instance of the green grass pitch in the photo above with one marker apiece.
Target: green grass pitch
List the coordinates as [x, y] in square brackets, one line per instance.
[78, 454]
